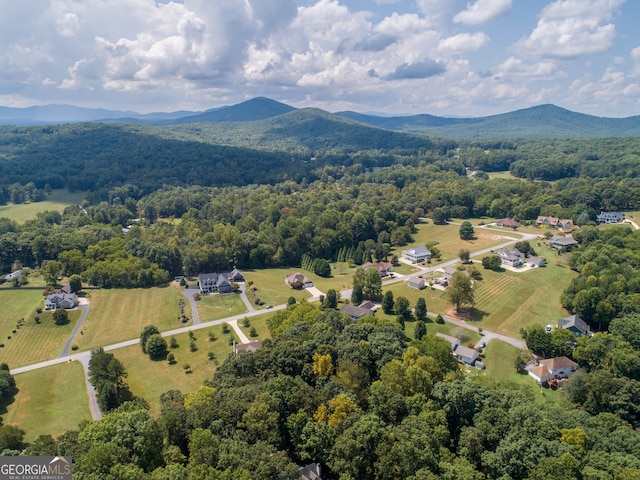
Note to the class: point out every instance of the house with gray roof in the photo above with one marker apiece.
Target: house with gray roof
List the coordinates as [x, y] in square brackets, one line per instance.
[417, 283]
[355, 313]
[214, 282]
[60, 300]
[511, 257]
[12, 276]
[466, 355]
[562, 241]
[574, 324]
[298, 280]
[416, 254]
[609, 217]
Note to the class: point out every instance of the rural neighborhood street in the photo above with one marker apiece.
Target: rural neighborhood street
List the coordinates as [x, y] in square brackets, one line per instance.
[84, 357]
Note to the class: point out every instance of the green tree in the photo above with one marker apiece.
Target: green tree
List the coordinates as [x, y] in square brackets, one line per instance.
[421, 309]
[372, 285]
[11, 438]
[466, 230]
[60, 316]
[387, 302]
[421, 330]
[330, 299]
[464, 255]
[402, 308]
[460, 291]
[491, 262]
[145, 334]
[75, 283]
[52, 271]
[156, 347]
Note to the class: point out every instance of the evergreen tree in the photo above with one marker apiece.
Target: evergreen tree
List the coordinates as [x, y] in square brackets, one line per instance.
[387, 302]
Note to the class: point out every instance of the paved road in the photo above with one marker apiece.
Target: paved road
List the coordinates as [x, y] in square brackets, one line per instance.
[188, 294]
[84, 358]
[67, 346]
[243, 296]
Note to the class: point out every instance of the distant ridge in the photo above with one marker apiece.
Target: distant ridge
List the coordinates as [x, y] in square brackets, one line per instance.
[542, 121]
[257, 108]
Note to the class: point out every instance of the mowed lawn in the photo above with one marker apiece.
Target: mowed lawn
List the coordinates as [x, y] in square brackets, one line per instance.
[35, 342]
[270, 285]
[116, 315]
[57, 201]
[449, 242]
[16, 304]
[215, 306]
[258, 322]
[50, 400]
[507, 301]
[149, 379]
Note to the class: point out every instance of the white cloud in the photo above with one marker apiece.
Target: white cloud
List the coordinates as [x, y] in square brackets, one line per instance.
[483, 11]
[463, 42]
[572, 28]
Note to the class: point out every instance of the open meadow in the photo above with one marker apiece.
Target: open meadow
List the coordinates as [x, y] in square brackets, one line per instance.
[449, 242]
[149, 379]
[259, 323]
[50, 400]
[34, 342]
[57, 201]
[17, 303]
[116, 315]
[270, 285]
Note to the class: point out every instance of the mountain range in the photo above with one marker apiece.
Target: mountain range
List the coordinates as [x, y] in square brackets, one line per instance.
[542, 121]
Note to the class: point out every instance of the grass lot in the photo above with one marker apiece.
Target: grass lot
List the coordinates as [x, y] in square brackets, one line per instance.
[37, 342]
[449, 242]
[260, 324]
[215, 306]
[16, 304]
[507, 301]
[116, 315]
[50, 400]
[270, 285]
[504, 174]
[58, 200]
[149, 379]
[500, 366]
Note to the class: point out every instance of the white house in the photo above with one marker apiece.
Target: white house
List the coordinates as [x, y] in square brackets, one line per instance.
[466, 355]
[609, 217]
[60, 300]
[511, 257]
[417, 254]
[552, 368]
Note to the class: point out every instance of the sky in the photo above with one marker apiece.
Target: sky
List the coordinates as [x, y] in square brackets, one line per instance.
[442, 57]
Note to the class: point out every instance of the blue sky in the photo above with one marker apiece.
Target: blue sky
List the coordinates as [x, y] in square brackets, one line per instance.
[443, 57]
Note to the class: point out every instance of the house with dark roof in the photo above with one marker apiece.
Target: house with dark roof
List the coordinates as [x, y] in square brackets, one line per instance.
[574, 324]
[383, 268]
[214, 282]
[298, 280]
[417, 254]
[312, 471]
[508, 222]
[511, 257]
[552, 368]
[60, 300]
[562, 241]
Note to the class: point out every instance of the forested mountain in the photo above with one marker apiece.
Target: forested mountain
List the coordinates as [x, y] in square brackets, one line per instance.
[543, 121]
[255, 109]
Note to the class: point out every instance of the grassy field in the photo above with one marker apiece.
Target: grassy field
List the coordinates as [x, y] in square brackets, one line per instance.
[50, 400]
[499, 359]
[16, 304]
[260, 324]
[449, 242]
[34, 342]
[507, 301]
[270, 285]
[58, 201]
[116, 315]
[149, 379]
[214, 306]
